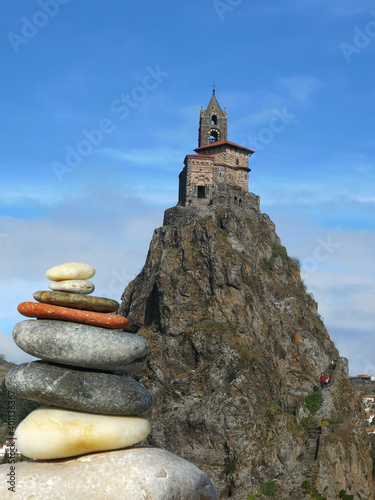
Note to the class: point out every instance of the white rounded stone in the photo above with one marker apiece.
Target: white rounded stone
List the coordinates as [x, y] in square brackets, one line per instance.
[76, 286]
[70, 271]
[141, 473]
[50, 432]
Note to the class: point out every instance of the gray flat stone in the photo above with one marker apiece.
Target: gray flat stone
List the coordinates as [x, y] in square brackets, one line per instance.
[78, 389]
[131, 474]
[85, 346]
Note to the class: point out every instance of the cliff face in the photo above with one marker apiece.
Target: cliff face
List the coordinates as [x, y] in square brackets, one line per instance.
[237, 347]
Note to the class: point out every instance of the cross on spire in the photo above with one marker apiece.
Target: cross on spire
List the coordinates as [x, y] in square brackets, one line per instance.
[213, 88]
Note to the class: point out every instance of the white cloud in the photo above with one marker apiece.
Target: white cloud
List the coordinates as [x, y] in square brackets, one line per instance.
[22, 195]
[345, 300]
[164, 158]
[360, 350]
[341, 277]
[105, 228]
[300, 88]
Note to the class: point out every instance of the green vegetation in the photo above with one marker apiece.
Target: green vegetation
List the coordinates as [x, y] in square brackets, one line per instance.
[274, 405]
[306, 486]
[313, 402]
[248, 360]
[293, 426]
[280, 251]
[220, 232]
[344, 496]
[251, 223]
[267, 489]
[363, 387]
[230, 466]
[372, 453]
[213, 325]
[5, 458]
[23, 408]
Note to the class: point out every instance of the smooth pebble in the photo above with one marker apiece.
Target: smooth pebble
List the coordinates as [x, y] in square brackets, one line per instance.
[74, 286]
[52, 432]
[70, 271]
[81, 345]
[77, 301]
[49, 311]
[78, 389]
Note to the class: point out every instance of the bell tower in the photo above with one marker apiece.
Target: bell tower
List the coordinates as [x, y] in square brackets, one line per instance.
[219, 171]
[212, 123]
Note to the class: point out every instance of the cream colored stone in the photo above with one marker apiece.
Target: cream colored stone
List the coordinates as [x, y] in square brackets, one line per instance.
[140, 473]
[73, 286]
[70, 271]
[52, 432]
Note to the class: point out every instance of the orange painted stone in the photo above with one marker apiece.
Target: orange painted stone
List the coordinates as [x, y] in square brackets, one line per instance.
[48, 311]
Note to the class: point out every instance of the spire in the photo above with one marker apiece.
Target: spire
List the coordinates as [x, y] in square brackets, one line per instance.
[212, 123]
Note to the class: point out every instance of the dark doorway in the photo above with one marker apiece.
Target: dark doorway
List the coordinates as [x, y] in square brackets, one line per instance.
[201, 191]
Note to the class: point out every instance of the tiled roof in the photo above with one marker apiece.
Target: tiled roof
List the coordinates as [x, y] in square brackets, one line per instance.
[200, 156]
[8, 443]
[225, 143]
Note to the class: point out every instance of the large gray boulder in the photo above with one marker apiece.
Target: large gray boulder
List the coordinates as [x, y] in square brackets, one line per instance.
[131, 474]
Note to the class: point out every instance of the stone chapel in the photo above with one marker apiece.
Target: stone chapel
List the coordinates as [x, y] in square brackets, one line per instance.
[218, 163]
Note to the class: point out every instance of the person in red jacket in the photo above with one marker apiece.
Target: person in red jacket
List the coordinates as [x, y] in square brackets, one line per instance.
[328, 379]
[322, 380]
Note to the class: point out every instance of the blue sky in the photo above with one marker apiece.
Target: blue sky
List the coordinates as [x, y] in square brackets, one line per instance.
[100, 104]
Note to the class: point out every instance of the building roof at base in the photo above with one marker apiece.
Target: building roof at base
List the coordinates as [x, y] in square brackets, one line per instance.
[201, 156]
[223, 143]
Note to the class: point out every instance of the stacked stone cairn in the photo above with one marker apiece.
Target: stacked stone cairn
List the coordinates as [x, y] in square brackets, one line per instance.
[92, 405]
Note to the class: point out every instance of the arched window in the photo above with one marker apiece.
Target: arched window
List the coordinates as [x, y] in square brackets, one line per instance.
[237, 161]
[213, 120]
[213, 136]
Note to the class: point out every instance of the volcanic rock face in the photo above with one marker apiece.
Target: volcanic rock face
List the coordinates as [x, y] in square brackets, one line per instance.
[236, 347]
